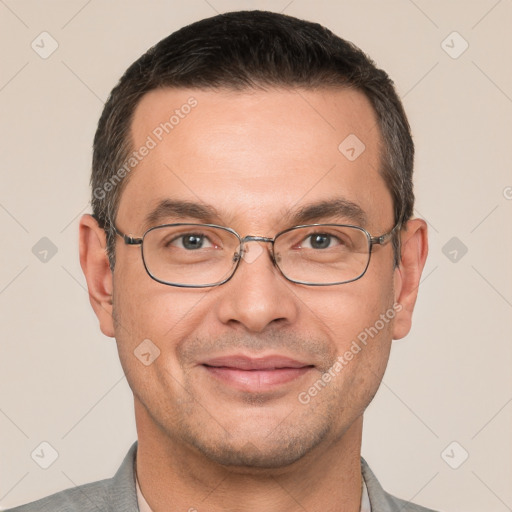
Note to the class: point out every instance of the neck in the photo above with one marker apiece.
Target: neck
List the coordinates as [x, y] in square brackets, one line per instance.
[172, 472]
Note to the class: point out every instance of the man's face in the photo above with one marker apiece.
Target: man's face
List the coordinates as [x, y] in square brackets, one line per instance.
[255, 158]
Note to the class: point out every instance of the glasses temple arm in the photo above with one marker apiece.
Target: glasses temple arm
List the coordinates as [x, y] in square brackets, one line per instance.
[128, 239]
[382, 239]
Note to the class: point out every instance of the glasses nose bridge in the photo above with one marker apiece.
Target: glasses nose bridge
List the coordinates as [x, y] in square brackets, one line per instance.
[251, 238]
[255, 238]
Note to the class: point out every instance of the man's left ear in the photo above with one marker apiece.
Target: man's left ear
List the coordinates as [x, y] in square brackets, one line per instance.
[414, 250]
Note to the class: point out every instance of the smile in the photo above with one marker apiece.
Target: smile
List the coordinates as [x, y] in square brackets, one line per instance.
[256, 374]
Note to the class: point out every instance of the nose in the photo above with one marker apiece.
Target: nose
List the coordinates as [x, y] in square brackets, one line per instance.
[257, 296]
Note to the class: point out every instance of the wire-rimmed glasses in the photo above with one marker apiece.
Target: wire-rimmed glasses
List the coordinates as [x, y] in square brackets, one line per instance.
[193, 255]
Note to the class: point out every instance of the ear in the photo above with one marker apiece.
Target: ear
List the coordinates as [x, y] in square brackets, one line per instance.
[414, 250]
[95, 266]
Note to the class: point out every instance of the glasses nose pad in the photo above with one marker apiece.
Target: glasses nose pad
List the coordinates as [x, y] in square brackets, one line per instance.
[274, 258]
[249, 254]
[240, 253]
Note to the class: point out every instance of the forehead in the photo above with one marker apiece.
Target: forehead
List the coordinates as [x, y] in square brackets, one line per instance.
[254, 155]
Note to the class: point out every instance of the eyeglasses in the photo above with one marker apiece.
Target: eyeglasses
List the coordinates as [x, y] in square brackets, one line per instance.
[205, 255]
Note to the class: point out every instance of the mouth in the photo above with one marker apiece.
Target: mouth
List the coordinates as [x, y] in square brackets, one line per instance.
[256, 374]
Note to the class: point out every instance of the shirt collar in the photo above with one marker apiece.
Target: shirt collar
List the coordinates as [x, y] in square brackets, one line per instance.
[141, 501]
[144, 507]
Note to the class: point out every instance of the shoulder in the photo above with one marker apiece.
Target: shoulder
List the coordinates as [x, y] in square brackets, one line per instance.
[381, 501]
[89, 497]
[110, 495]
[405, 506]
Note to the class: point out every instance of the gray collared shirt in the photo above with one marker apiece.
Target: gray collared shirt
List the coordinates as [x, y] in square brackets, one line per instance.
[119, 494]
[144, 506]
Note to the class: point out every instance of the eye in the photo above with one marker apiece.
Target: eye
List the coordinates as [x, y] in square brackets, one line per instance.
[191, 242]
[320, 241]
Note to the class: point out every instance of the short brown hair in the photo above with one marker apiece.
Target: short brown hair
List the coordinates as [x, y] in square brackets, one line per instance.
[243, 50]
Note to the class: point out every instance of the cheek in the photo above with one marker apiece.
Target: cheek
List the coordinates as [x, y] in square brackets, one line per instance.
[150, 320]
[358, 319]
[349, 311]
[362, 355]
[144, 308]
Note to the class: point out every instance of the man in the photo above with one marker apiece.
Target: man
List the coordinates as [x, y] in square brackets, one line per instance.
[253, 253]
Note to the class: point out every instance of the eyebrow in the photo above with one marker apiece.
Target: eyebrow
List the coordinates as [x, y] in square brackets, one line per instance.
[337, 208]
[175, 209]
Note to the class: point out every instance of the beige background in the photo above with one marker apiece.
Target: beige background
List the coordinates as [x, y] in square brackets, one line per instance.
[450, 380]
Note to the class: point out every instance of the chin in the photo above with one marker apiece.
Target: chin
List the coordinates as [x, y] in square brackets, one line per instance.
[278, 450]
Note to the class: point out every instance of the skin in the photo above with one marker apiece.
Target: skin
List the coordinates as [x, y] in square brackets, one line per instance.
[254, 156]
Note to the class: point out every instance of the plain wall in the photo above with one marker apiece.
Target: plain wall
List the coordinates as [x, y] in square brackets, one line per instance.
[449, 380]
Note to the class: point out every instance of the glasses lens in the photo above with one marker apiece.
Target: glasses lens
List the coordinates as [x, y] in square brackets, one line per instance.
[190, 254]
[324, 254]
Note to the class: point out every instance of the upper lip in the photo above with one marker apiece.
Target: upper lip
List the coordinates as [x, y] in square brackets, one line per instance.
[242, 362]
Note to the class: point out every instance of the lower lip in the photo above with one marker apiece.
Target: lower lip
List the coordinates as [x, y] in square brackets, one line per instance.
[256, 380]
